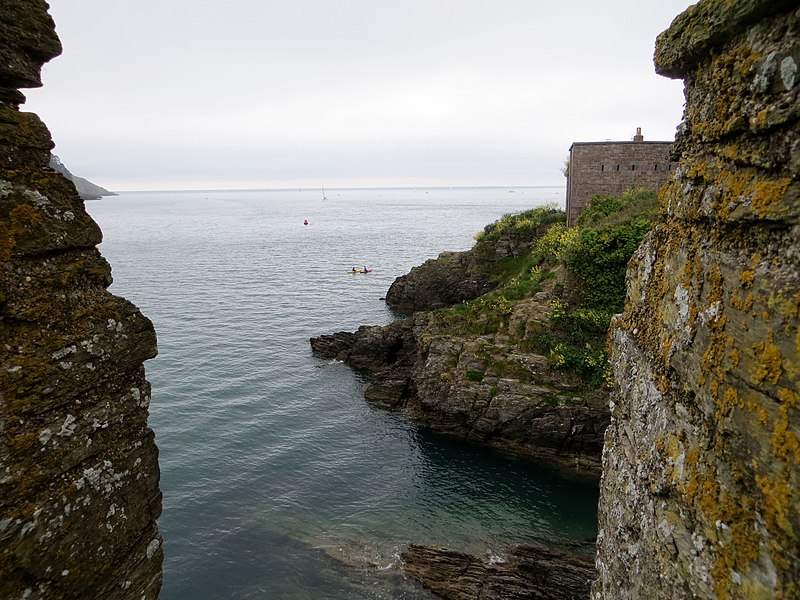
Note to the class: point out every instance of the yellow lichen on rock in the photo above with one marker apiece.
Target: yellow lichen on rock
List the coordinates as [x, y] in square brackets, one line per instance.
[706, 353]
[769, 358]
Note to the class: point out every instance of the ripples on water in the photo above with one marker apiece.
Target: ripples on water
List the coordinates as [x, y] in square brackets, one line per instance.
[276, 473]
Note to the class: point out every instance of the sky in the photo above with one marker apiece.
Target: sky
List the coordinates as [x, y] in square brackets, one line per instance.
[194, 94]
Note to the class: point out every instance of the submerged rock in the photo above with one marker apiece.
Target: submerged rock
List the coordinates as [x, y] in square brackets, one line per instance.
[526, 573]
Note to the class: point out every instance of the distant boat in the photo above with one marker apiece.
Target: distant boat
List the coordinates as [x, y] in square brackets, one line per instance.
[324, 197]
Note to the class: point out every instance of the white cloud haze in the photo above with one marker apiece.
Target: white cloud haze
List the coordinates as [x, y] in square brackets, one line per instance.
[169, 94]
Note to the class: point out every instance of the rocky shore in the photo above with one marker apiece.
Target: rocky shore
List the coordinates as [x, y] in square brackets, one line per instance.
[479, 387]
[489, 383]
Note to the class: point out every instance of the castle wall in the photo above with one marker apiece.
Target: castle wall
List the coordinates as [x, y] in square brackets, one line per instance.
[613, 167]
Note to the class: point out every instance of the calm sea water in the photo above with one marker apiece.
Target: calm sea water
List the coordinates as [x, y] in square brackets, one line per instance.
[279, 480]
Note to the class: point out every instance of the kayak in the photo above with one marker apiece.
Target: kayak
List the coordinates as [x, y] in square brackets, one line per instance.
[361, 271]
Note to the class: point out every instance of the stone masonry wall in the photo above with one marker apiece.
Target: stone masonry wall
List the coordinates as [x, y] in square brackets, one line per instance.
[613, 167]
[700, 496]
[79, 493]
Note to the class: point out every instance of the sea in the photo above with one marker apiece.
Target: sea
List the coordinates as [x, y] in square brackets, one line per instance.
[280, 481]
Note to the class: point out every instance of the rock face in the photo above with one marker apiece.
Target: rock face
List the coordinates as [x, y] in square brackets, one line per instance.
[454, 277]
[450, 278]
[78, 464]
[527, 573]
[699, 495]
[480, 387]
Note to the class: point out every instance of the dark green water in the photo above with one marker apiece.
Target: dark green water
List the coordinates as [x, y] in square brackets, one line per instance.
[279, 480]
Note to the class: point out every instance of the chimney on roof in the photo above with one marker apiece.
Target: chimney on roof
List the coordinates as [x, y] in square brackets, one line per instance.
[638, 137]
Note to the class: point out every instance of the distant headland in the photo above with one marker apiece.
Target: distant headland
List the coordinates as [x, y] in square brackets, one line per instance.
[86, 189]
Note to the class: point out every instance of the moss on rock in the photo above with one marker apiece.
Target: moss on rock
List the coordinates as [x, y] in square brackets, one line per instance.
[702, 458]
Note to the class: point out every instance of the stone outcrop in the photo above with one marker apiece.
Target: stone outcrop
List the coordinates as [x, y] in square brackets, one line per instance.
[700, 490]
[78, 465]
[481, 388]
[529, 572]
[455, 277]
[450, 278]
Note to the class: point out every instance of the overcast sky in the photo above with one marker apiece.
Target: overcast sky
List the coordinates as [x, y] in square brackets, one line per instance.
[191, 94]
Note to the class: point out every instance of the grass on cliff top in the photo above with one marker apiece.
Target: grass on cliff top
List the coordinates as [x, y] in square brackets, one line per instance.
[519, 275]
[519, 230]
[527, 224]
[594, 254]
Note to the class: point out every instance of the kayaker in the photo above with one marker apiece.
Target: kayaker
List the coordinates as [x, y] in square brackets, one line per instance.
[355, 270]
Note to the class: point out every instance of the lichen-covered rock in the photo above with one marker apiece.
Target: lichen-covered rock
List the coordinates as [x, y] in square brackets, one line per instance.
[699, 495]
[79, 493]
[29, 40]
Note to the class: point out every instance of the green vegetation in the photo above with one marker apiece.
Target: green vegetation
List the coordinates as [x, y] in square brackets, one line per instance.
[608, 233]
[588, 262]
[596, 253]
[476, 376]
[489, 313]
[525, 225]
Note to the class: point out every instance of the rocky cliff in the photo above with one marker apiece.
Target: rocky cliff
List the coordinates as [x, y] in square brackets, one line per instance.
[78, 464]
[455, 277]
[699, 495]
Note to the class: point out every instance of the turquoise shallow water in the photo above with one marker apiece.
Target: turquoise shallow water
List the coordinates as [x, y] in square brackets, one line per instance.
[279, 480]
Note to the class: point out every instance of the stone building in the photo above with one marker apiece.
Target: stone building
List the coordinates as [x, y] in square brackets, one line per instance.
[613, 167]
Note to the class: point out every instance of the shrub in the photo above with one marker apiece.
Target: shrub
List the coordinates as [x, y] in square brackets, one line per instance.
[596, 251]
[525, 224]
[551, 246]
[476, 376]
[607, 235]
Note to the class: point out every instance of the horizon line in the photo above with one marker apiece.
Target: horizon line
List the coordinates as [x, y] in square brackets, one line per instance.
[317, 188]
